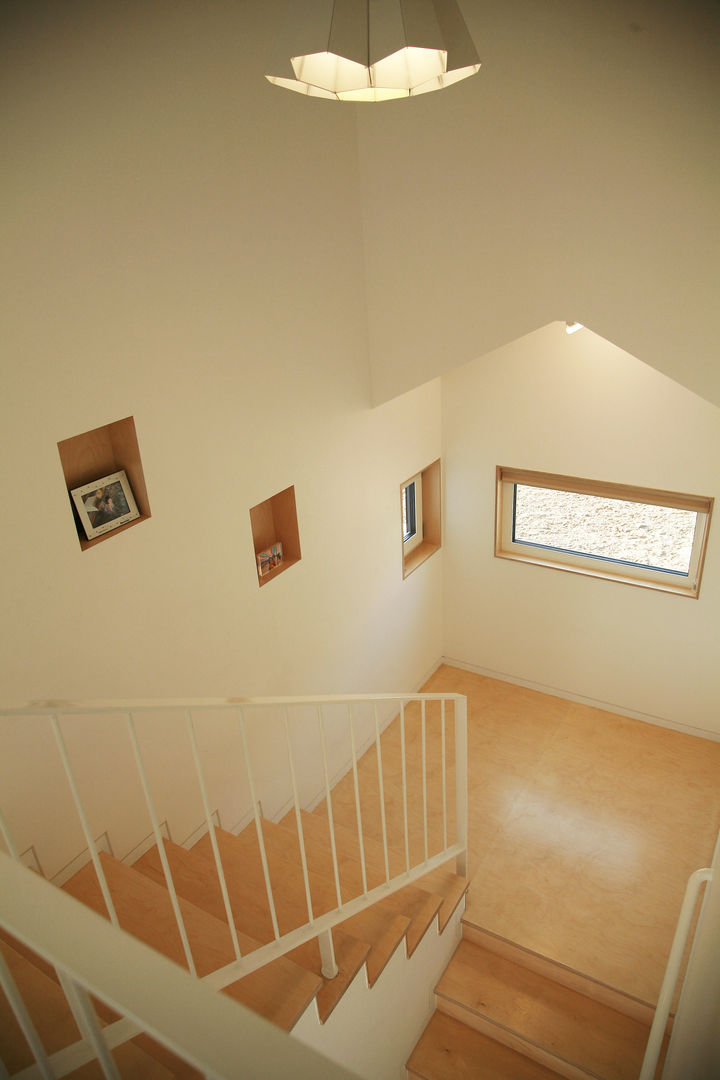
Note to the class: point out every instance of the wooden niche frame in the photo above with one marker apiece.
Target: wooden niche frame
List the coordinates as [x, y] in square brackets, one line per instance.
[274, 521]
[100, 452]
[431, 484]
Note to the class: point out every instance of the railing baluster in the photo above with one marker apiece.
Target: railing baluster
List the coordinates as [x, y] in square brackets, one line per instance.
[69, 989]
[160, 845]
[212, 835]
[381, 788]
[94, 1033]
[444, 777]
[319, 925]
[424, 776]
[328, 963]
[23, 1018]
[84, 821]
[298, 819]
[461, 783]
[404, 786]
[328, 802]
[9, 842]
[258, 826]
[353, 750]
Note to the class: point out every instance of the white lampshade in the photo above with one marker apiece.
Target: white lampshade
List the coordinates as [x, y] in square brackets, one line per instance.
[373, 50]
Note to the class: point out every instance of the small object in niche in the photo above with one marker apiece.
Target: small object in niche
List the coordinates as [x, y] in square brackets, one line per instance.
[270, 558]
[105, 504]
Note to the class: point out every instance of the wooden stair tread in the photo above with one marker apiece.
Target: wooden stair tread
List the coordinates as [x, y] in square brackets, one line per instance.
[524, 1008]
[560, 973]
[449, 1050]
[280, 991]
[442, 881]
[54, 1023]
[48, 1010]
[416, 904]
[246, 883]
[196, 879]
[283, 853]
[285, 871]
[384, 933]
[447, 884]
[317, 827]
[241, 852]
[144, 910]
[350, 955]
[284, 839]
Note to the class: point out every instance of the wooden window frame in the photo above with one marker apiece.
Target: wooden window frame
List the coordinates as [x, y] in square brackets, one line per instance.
[428, 511]
[596, 566]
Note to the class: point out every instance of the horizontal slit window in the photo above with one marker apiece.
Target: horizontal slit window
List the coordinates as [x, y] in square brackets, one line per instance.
[638, 535]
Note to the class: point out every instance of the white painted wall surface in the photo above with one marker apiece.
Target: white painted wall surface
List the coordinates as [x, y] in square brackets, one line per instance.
[575, 177]
[578, 405]
[372, 1032]
[182, 244]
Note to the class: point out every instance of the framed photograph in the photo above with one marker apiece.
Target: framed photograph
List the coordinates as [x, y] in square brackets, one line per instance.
[104, 504]
[268, 559]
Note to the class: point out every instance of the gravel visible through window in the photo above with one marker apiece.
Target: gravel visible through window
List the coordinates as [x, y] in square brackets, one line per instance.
[657, 536]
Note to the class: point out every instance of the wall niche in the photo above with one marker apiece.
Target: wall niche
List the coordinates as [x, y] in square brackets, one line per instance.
[100, 452]
[274, 522]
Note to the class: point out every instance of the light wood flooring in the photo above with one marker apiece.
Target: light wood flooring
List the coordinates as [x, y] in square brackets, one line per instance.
[584, 825]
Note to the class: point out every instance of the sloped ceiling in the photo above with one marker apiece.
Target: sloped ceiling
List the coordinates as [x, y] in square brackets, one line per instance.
[576, 177]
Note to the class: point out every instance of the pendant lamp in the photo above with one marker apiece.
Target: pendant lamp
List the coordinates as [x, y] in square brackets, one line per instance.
[373, 50]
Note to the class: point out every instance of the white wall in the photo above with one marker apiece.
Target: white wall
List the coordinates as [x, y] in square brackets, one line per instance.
[579, 406]
[182, 244]
[574, 177]
[369, 1031]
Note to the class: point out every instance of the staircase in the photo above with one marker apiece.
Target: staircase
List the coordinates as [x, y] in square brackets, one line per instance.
[281, 990]
[504, 1013]
[282, 916]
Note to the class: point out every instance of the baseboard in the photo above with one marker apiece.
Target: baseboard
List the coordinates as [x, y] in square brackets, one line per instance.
[145, 844]
[198, 833]
[569, 695]
[102, 843]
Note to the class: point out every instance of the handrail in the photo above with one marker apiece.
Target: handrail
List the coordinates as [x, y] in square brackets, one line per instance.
[672, 971]
[70, 706]
[214, 1033]
[355, 730]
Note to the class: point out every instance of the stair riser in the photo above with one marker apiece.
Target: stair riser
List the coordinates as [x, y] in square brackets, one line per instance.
[513, 1041]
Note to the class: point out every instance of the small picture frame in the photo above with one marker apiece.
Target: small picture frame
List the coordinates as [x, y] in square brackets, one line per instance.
[270, 558]
[105, 504]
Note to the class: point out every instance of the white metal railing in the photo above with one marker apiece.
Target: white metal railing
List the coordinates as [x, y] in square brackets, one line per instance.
[212, 1032]
[348, 738]
[672, 972]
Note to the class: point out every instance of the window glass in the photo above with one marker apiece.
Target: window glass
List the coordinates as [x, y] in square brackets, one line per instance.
[408, 511]
[642, 536]
[654, 536]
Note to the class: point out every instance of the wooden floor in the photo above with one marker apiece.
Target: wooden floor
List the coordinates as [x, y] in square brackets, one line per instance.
[584, 826]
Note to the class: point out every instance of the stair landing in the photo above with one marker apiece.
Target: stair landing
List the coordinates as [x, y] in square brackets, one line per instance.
[450, 1050]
